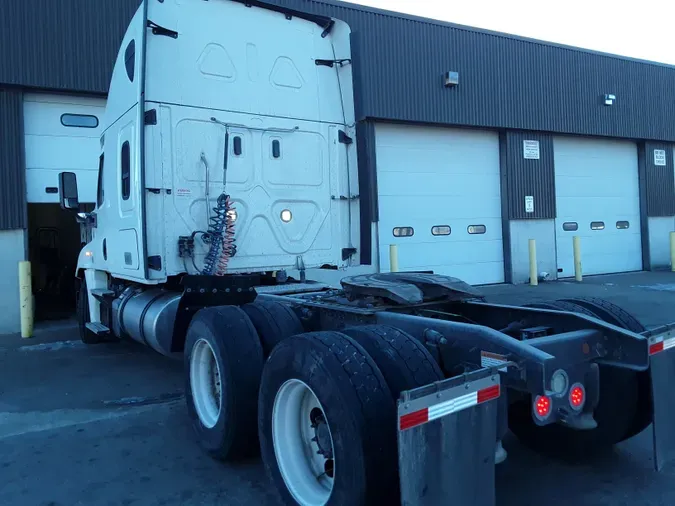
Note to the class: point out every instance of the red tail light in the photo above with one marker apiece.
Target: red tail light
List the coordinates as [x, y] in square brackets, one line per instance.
[542, 407]
[577, 396]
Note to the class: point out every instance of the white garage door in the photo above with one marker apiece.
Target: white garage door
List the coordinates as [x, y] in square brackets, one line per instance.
[443, 187]
[597, 195]
[62, 133]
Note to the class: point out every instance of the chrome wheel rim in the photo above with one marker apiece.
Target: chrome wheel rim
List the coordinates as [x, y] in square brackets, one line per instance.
[205, 383]
[303, 444]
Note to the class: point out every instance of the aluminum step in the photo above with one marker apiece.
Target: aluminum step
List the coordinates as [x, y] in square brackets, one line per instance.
[97, 328]
[102, 292]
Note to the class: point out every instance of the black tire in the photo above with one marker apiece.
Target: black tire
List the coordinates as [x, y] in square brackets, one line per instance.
[624, 409]
[609, 312]
[82, 312]
[559, 305]
[358, 407]
[273, 321]
[239, 356]
[617, 391]
[404, 361]
[616, 315]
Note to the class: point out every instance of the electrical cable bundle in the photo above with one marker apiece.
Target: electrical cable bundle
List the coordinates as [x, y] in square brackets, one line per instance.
[220, 235]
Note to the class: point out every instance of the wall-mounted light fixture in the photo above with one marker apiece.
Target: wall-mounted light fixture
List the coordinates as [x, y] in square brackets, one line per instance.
[609, 99]
[451, 79]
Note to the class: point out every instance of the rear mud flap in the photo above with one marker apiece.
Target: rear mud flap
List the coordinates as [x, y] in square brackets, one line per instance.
[446, 441]
[662, 371]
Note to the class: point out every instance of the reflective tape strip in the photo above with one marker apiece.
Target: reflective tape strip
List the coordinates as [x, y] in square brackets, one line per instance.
[659, 344]
[445, 408]
[453, 405]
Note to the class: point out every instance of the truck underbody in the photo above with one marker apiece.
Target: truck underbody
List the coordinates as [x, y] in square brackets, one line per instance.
[444, 366]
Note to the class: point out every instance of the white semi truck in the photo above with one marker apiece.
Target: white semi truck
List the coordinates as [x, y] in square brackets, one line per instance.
[228, 158]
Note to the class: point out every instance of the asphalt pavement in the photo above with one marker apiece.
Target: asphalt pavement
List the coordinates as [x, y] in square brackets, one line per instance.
[107, 425]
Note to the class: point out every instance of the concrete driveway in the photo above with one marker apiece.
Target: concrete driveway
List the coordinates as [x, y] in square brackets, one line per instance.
[106, 425]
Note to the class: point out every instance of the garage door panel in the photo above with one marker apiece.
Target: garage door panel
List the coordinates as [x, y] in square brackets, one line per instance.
[454, 252]
[435, 139]
[441, 177]
[584, 190]
[42, 114]
[597, 181]
[579, 204]
[448, 208]
[39, 180]
[61, 153]
[479, 271]
[435, 183]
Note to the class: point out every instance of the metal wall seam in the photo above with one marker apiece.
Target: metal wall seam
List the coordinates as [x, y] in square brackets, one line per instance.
[66, 45]
[505, 82]
[530, 174]
[13, 212]
[659, 178]
[643, 196]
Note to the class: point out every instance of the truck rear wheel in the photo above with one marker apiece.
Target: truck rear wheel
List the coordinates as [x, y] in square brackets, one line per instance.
[616, 315]
[223, 364]
[404, 361]
[326, 423]
[624, 408]
[274, 322]
[559, 305]
[609, 312]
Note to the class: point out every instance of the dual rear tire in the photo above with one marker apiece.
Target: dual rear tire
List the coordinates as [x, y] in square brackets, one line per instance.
[322, 406]
[624, 407]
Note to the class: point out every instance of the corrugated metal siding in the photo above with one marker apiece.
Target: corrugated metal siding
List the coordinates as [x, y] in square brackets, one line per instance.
[505, 81]
[644, 220]
[12, 174]
[506, 227]
[527, 177]
[659, 180]
[62, 45]
[365, 145]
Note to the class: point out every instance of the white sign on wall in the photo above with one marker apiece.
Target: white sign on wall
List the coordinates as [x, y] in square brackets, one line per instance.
[531, 150]
[660, 157]
[529, 204]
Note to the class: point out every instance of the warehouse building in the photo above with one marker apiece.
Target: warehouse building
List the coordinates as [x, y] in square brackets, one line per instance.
[470, 143]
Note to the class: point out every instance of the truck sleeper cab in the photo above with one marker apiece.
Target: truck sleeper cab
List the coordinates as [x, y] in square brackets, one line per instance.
[228, 157]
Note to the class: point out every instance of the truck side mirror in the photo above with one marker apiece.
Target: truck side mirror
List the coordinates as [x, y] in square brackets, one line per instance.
[68, 191]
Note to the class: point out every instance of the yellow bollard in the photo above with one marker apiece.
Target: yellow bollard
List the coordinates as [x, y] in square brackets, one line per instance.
[577, 258]
[534, 277]
[672, 251]
[393, 258]
[25, 299]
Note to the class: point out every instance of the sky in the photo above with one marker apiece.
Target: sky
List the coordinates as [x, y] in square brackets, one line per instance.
[643, 29]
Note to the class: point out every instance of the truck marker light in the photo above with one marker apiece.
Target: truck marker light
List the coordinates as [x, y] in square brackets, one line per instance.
[445, 408]
[659, 344]
[559, 382]
[542, 406]
[577, 396]
[286, 216]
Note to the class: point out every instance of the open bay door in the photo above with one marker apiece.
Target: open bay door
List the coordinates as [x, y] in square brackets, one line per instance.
[597, 199]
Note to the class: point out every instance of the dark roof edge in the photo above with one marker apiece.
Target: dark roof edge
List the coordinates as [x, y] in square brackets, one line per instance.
[323, 21]
[447, 24]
